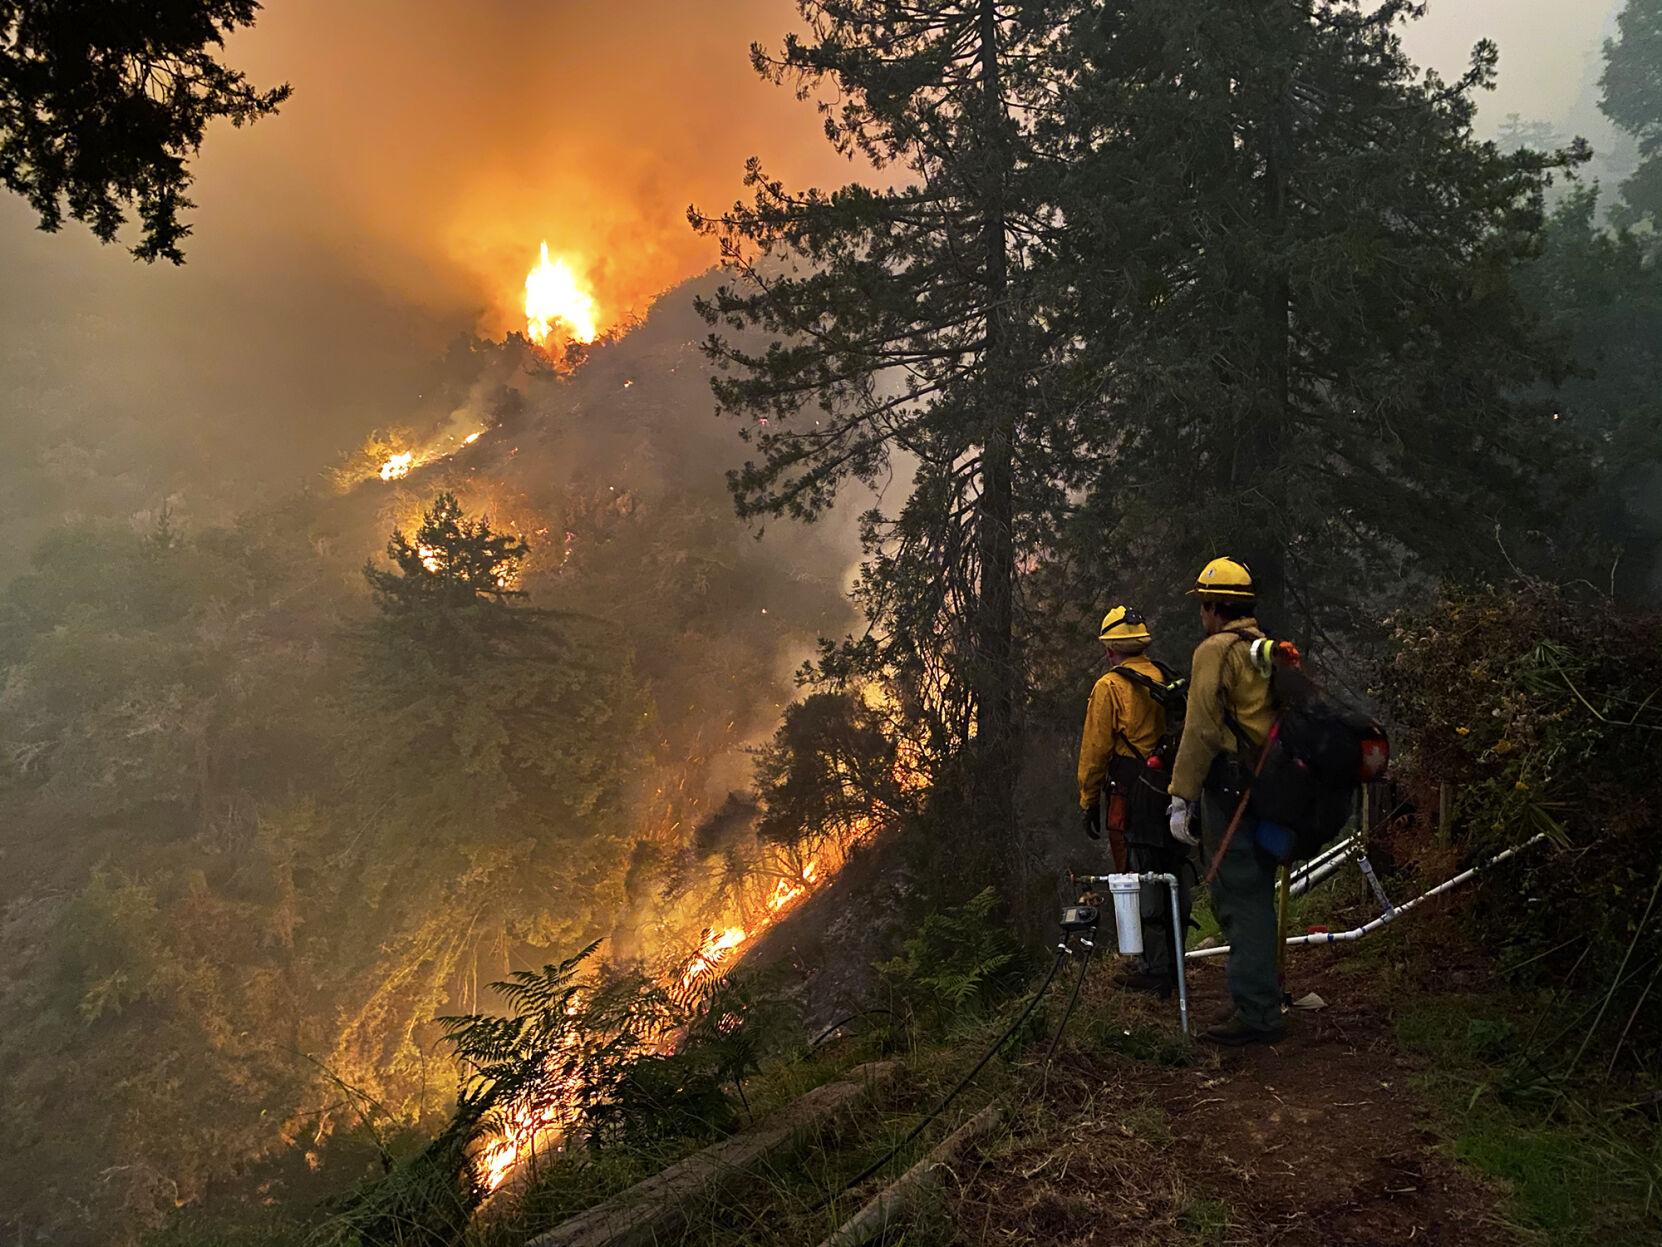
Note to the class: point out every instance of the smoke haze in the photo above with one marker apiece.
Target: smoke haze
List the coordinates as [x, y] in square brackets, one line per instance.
[397, 200]
[1548, 49]
[396, 203]
[340, 251]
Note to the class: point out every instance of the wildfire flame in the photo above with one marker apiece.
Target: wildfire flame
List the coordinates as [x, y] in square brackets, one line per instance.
[519, 1132]
[527, 1125]
[712, 953]
[712, 957]
[525, 1128]
[553, 295]
[716, 946]
[787, 890]
[398, 466]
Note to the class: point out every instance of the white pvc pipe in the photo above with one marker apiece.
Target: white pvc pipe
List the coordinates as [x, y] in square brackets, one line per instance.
[1324, 864]
[1178, 935]
[1305, 880]
[1368, 928]
[1338, 848]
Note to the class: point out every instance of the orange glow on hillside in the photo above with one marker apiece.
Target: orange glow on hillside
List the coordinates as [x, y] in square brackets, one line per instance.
[796, 873]
[525, 1131]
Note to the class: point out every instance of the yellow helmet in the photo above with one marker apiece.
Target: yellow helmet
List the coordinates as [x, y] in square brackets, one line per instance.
[1122, 623]
[1225, 578]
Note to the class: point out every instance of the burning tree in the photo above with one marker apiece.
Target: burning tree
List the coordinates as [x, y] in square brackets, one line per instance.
[500, 781]
[451, 562]
[904, 340]
[835, 772]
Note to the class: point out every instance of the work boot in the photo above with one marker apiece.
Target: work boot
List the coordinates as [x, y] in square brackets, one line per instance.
[1235, 1033]
[1142, 981]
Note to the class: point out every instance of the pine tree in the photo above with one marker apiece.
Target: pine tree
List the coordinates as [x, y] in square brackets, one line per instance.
[1305, 346]
[1632, 98]
[451, 593]
[1602, 289]
[835, 771]
[498, 783]
[100, 109]
[451, 561]
[901, 340]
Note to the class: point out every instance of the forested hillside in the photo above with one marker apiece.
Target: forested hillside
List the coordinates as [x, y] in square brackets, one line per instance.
[663, 724]
[262, 830]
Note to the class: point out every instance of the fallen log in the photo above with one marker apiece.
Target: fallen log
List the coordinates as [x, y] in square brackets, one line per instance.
[653, 1210]
[892, 1203]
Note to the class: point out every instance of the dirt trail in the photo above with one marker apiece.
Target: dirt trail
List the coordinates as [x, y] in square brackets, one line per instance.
[1319, 1141]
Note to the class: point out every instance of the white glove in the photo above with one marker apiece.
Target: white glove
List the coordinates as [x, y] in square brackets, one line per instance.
[1181, 814]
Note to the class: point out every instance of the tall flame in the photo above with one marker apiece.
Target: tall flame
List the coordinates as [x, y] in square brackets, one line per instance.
[554, 295]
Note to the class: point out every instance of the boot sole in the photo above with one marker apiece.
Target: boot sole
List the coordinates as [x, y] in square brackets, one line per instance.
[1163, 992]
[1245, 1040]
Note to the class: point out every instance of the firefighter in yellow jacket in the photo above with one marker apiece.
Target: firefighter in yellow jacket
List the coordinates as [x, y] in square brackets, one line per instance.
[1123, 724]
[1228, 718]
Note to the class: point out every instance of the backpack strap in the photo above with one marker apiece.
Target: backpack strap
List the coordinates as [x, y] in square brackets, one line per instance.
[1149, 685]
[1242, 740]
[1151, 688]
[1169, 692]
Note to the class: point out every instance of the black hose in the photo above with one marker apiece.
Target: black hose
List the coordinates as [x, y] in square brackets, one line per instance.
[852, 1017]
[950, 1096]
[1073, 999]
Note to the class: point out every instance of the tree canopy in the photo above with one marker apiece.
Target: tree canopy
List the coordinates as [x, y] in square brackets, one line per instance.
[904, 340]
[102, 105]
[1632, 98]
[1302, 344]
[1145, 282]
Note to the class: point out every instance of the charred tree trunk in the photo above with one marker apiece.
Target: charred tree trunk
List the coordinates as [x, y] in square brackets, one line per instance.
[994, 760]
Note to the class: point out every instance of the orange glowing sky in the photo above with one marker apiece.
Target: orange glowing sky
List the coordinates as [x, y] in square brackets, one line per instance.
[399, 198]
[438, 143]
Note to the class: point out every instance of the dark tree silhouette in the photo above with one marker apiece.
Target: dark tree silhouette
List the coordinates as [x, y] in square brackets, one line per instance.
[1632, 98]
[102, 102]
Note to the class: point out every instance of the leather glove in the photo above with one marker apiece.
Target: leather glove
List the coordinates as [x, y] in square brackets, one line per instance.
[1182, 813]
[1087, 820]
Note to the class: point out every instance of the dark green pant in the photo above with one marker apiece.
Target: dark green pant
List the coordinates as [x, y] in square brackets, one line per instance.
[1159, 952]
[1243, 897]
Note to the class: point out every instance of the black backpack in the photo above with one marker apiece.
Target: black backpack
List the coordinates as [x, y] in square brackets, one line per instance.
[1143, 781]
[1171, 694]
[1319, 753]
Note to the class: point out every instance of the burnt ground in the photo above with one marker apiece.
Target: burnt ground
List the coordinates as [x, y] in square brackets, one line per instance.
[1319, 1141]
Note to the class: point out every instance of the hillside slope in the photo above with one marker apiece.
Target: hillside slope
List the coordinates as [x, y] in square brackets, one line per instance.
[250, 857]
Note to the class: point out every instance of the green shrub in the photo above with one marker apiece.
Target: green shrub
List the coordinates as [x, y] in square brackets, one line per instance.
[961, 961]
[695, 1089]
[1543, 712]
[607, 1057]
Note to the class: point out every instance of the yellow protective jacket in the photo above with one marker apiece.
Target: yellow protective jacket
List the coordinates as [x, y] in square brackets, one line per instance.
[1222, 676]
[1120, 719]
